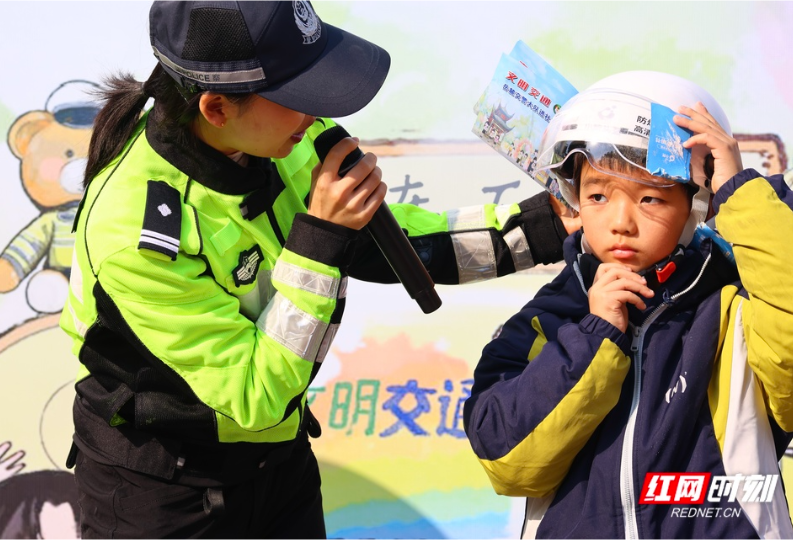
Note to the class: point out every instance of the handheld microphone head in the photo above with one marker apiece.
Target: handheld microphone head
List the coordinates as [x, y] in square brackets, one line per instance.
[328, 139]
[386, 231]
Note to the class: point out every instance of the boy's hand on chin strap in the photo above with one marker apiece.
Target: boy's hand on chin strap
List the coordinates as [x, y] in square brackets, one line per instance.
[709, 134]
[615, 286]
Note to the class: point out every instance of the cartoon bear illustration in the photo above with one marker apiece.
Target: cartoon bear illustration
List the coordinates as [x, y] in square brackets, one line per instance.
[52, 145]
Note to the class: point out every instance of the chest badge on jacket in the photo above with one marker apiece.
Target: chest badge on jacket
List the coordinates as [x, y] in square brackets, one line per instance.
[248, 267]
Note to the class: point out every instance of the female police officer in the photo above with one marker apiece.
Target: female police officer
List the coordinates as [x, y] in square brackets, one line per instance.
[207, 285]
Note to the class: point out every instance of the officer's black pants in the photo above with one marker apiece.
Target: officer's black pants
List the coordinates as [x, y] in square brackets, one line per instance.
[282, 501]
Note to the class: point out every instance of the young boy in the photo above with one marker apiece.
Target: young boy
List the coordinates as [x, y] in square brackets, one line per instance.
[649, 355]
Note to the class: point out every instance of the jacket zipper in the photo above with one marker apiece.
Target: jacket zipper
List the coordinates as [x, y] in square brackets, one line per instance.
[627, 494]
[626, 463]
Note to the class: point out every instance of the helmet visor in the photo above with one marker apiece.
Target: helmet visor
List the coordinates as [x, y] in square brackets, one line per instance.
[613, 130]
[616, 160]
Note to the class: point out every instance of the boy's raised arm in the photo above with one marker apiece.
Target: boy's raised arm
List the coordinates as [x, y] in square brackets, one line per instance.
[755, 214]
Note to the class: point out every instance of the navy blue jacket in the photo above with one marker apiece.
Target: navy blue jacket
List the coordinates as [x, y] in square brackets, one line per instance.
[569, 410]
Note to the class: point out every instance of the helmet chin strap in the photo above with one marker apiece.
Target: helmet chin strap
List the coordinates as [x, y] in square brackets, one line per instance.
[663, 269]
[699, 213]
[657, 273]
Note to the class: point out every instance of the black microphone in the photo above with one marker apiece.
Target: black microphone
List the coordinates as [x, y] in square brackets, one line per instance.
[386, 232]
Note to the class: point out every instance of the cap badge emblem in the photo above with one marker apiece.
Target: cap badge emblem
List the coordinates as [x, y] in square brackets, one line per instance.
[307, 21]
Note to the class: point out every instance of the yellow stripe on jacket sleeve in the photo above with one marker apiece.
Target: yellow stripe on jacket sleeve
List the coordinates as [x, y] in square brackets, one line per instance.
[537, 465]
[539, 341]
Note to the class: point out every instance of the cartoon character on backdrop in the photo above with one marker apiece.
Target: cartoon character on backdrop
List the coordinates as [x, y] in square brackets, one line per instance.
[52, 145]
[41, 504]
[11, 464]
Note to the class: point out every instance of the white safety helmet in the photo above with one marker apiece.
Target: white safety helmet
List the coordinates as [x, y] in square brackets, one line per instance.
[611, 119]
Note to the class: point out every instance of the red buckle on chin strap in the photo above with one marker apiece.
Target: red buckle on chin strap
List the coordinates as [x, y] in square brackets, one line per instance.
[666, 272]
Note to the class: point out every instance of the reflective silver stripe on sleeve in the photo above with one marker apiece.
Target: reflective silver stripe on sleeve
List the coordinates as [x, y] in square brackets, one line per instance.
[252, 303]
[519, 249]
[467, 218]
[213, 77]
[476, 260]
[305, 280]
[292, 327]
[343, 288]
[324, 347]
[81, 328]
[76, 278]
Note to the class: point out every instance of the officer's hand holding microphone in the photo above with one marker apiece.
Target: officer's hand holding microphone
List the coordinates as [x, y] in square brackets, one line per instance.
[352, 197]
[347, 186]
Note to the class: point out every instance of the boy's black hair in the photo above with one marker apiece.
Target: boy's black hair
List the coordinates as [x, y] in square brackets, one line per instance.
[614, 162]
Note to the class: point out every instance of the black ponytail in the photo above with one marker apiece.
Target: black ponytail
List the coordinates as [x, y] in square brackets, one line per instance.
[125, 98]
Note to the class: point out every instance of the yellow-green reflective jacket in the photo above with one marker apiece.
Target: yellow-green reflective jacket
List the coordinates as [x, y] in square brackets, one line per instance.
[203, 298]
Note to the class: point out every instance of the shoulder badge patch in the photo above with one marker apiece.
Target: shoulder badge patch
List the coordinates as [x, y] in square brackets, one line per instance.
[162, 220]
[248, 267]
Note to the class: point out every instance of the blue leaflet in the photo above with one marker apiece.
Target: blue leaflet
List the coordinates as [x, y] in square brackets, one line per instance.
[666, 156]
[516, 108]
